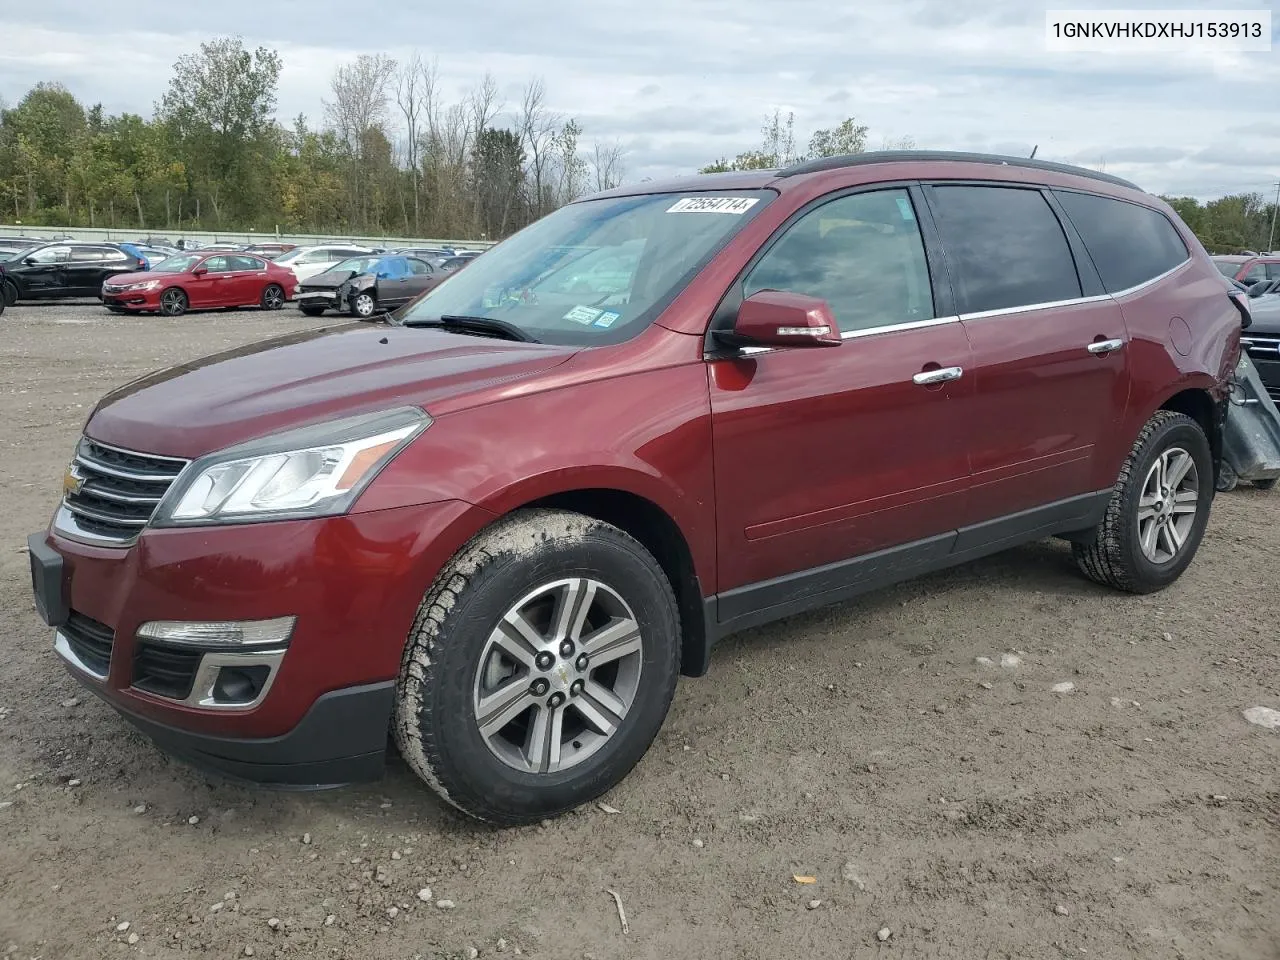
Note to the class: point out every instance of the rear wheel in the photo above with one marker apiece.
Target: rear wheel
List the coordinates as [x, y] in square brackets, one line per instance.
[10, 293]
[312, 311]
[272, 297]
[173, 302]
[1268, 484]
[540, 667]
[1158, 510]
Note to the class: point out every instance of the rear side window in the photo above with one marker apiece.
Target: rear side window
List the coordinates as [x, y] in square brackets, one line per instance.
[81, 254]
[1256, 273]
[419, 268]
[1005, 246]
[1129, 243]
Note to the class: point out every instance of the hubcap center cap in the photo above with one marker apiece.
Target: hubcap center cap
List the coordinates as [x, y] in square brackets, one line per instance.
[561, 677]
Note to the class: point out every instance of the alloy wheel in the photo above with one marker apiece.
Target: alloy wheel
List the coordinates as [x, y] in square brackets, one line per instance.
[364, 305]
[273, 298]
[558, 675]
[173, 302]
[1168, 505]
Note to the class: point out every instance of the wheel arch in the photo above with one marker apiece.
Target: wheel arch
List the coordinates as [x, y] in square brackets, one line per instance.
[1198, 403]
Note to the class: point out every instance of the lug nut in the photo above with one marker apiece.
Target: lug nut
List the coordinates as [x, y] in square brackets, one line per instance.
[575, 688]
[566, 649]
[539, 687]
[544, 661]
[556, 700]
[582, 662]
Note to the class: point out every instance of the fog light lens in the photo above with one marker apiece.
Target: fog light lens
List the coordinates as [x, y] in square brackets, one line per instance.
[240, 684]
[229, 634]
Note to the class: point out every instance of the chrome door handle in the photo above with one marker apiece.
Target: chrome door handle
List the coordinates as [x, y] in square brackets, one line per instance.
[941, 375]
[1105, 346]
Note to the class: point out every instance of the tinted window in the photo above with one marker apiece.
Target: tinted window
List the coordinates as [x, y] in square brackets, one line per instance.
[1129, 243]
[1256, 272]
[1273, 270]
[111, 253]
[81, 254]
[861, 253]
[52, 255]
[420, 268]
[1228, 268]
[1005, 247]
[246, 263]
[392, 267]
[217, 264]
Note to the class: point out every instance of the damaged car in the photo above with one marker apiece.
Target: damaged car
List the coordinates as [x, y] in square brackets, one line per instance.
[366, 286]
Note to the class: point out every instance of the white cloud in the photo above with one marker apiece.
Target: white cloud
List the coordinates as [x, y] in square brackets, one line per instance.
[682, 83]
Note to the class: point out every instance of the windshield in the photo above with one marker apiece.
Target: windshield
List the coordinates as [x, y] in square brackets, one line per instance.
[593, 272]
[290, 255]
[1227, 268]
[356, 264]
[20, 252]
[177, 264]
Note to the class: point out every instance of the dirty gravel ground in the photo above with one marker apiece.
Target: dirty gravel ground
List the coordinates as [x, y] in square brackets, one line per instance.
[956, 804]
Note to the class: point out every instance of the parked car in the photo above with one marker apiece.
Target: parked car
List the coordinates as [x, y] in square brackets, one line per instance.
[504, 524]
[308, 261]
[269, 250]
[199, 281]
[450, 264]
[1262, 341]
[424, 253]
[1249, 269]
[66, 269]
[9, 244]
[365, 286]
[225, 246]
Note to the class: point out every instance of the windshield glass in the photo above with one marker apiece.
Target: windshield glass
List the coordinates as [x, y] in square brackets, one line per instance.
[177, 264]
[1226, 267]
[358, 264]
[597, 271]
[20, 252]
[288, 255]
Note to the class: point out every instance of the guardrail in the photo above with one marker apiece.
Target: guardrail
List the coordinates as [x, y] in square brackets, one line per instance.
[127, 235]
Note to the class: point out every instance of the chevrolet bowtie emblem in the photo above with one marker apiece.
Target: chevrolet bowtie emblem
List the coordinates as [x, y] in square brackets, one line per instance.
[72, 481]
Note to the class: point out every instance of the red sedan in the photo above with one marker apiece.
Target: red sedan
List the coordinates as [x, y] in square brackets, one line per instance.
[200, 281]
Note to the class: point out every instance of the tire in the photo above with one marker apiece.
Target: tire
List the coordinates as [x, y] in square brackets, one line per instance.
[1119, 555]
[272, 297]
[450, 659]
[1268, 484]
[173, 302]
[363, 306]
[10, 293]
[1228, 479]
[312, 311]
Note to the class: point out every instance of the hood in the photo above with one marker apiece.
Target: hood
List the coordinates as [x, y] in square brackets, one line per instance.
[329, 280]
[123, 279]
[306, 377]
[1265, 312]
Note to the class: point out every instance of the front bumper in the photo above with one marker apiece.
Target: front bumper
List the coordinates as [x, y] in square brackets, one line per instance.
[132, 299]
[318, 298]
[353, 583]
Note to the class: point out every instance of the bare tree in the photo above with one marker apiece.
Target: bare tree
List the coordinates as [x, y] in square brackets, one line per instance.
[359, 106]
[484, 105]
[409, 97]
[606, 164]
[537, 129]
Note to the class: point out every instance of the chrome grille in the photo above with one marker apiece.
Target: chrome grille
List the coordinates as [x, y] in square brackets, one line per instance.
[111, 493]
[1264, 345]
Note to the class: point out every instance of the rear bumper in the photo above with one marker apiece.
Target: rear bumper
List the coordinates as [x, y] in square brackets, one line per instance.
[341, 739]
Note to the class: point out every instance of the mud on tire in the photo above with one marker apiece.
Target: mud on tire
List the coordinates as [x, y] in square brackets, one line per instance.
[1115, 556]
[450, 649]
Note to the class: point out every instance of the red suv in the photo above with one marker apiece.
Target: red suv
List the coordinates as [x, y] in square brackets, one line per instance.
[503, 523]
[1248, 270]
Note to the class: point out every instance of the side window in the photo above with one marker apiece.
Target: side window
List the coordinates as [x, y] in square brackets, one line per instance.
[113, 254]
[420, 268]
[84, 254]
[52, 255]
[861, 253]
[1129, 243]
[1005, 246]
[217, 264]
[246, 263]
[393, 268]
[1273, 270]
[1256, 273]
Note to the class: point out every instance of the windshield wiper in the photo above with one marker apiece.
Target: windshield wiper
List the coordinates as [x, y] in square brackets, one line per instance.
[498, 328]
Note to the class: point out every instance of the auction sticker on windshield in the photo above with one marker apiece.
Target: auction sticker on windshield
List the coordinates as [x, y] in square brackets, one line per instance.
[581, 314]
[734, 205]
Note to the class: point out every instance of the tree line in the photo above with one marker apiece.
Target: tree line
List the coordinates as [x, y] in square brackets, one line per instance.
[388, 156]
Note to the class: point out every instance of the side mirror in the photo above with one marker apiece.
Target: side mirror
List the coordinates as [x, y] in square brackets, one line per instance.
[29, 261]
[778, 318]
[200, 271]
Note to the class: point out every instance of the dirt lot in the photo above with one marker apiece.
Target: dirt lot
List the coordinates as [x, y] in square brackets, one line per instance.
[967, 808]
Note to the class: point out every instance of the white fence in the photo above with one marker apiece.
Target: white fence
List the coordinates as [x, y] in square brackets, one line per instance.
[129, 234]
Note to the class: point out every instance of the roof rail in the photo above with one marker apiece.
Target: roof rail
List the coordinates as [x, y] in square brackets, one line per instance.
[902, 156]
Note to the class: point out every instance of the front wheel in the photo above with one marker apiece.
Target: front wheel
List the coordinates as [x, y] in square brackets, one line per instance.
[173, 302]
[540, 667]
[363, 305]
[272, 297]
[1158, 511]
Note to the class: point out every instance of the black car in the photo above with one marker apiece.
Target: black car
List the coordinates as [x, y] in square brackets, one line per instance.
[364, 286]
[1262, 341]
[65, 270]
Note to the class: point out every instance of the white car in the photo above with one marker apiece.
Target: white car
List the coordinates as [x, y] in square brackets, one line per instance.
[308, 261]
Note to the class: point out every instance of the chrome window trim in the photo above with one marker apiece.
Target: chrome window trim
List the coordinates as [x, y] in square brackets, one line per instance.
[896, 327]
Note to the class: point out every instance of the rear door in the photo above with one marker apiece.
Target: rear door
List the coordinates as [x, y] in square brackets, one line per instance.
[422, 277]
[1050, 372]
[825, 455]
[82, 274]
[246, 280]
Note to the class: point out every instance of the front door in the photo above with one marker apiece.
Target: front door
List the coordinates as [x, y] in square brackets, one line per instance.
[827, 454]
[1050, 369]
[43, 273]
[209, 288]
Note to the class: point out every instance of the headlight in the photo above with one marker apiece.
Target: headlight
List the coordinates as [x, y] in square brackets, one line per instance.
[145, 285]
[297, 288]
[310, 472]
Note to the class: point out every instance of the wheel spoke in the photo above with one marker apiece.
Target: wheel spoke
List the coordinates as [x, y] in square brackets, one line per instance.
[1175, 536]
[572, 606]
[1147, 513]
[542, 750]
[601, 719]
[605, 697]
[1177, 468]
[516, 637]
[1182, 508]
[495, 710]
[1165, 542]
[613, 641]
[1148, 535]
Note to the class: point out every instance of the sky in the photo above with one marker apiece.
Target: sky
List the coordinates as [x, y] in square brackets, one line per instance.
[679, 83]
